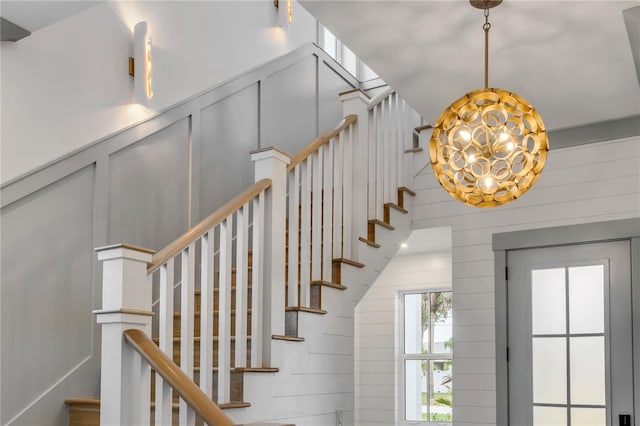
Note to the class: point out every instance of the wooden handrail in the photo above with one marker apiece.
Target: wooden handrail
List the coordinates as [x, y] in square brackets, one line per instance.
[379, 97]
[207, 223]
[321, 140]
[177, 379]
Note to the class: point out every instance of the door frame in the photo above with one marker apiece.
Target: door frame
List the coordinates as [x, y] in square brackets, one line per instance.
[624, 229]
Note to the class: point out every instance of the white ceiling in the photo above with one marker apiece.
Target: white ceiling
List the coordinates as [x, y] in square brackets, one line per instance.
[571, 59]
[427, 240]
[34, 15]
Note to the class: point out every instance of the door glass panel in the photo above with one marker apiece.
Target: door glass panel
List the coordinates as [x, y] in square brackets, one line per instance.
[548, 301]
[549, 364]
[586, 299]
[587, 367]
[549, 416]
[589, 416]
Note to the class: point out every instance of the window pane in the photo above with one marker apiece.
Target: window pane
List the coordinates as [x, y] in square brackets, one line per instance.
[549, 416]
[415, 389]
[442, 322]
[586, 299]
[549, 364]
[349, 60]
[587, 370]
[416, 339]
[548, 301]
[329, 43]
[367, 73]
[441, 382]
[588, 417]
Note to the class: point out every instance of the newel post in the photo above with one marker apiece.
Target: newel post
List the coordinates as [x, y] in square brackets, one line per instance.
[356, 102]
[126, 304]
[272, 163]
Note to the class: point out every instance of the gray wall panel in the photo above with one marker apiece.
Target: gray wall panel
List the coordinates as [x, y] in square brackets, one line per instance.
[289, 112]
[330, 84]
[149, 189]
[229, 132]
[46, 288]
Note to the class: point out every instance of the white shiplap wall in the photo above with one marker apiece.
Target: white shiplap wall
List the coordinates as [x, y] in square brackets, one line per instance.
[588, 183]
[376, 336]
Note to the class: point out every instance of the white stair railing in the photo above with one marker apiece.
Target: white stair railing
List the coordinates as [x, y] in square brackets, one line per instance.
[340, 181]
[329, 191]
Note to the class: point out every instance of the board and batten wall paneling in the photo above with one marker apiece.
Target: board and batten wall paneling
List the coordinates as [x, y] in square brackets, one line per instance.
[330, 84]
[139, 194]
[288, 107]
[149, 189]
[376, 336]
[229, 132]
[582, 184]
[46, 292]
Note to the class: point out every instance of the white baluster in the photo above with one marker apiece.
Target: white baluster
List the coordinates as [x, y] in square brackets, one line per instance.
[305, 233]
[327, 232]
[163, 411]
[257, 279]
[347, 196]
[372, 161]
[293, 243]
[187, 290]
[338, 211]
[242, 283]
[224, 311]
[316, 215]
[207, 252]
[379, 174]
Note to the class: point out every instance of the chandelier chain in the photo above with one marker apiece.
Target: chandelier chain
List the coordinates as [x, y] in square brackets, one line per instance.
[486, 27]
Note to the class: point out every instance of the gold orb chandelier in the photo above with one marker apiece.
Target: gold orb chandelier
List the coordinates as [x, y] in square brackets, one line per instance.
[489, 146]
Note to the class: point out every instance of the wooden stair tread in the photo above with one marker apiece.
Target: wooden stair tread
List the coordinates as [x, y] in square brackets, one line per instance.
[305, 309]
[382, 223]
[83, 401]
[369, 242]
[348, 262]
[156, 340]
[328, 284]
[396, 207]
[407, 190]
[287, 338]
[231, 404]
[198, 313]
[257, 369]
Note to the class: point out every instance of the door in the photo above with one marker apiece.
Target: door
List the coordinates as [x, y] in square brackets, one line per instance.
[569, 335]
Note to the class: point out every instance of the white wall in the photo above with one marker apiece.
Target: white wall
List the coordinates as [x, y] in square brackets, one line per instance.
[582, 184]
[376, 327]
[67, 85]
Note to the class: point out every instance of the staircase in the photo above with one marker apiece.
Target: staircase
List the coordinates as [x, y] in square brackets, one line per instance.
[231, 288]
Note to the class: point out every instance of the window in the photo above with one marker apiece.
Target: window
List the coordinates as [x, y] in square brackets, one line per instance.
[345, 56]
[427, 371]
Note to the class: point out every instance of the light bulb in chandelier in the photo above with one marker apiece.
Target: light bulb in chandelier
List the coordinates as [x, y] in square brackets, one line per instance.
[489, 146]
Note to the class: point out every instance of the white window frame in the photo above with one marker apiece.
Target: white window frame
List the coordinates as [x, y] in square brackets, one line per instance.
[340, 53]
[402, 358]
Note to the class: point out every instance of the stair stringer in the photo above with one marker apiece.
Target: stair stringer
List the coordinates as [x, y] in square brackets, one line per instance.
[316, 376]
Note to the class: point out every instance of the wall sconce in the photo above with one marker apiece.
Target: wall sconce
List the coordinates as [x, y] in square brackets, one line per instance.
[285, 16]
[140, 64]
